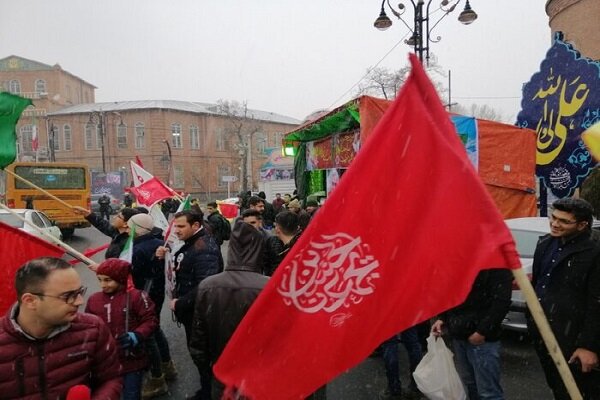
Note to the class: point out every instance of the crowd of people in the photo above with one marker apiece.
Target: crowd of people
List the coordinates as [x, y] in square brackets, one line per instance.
[118, 349]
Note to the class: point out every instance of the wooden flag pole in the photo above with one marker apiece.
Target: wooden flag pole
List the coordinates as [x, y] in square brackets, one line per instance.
[71, 251]
[547, 335]
[33, 185]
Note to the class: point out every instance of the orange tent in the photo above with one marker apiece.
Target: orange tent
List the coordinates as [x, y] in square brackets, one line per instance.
[506, 153]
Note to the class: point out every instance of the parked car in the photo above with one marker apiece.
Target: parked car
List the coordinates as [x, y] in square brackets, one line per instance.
[36, 217]
[526, 232]
[115, 204]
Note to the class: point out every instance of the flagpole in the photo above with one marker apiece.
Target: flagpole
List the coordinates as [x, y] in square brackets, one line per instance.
[71, 251]
[33, 185]
[547, 335]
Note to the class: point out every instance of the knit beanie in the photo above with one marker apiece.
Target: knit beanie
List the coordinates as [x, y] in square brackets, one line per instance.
[294, 204]
[115, 268]
[143, 224]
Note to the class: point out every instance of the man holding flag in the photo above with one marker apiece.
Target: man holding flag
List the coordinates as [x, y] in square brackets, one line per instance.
[337, 293]
[198, 258]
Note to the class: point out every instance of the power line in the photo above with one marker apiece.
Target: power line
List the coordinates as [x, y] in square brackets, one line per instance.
[368, 71]
[487, 97]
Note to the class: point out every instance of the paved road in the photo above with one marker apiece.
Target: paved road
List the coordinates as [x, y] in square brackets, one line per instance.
[522, 376]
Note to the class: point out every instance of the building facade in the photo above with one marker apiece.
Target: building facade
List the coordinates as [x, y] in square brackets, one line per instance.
[578, 21]
[190, 145]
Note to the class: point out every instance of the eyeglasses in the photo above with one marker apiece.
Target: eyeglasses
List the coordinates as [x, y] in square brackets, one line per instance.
[561, 221]
[120, 216]
[68, 297]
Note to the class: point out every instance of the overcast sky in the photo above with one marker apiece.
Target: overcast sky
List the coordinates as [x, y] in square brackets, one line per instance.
[286, 56]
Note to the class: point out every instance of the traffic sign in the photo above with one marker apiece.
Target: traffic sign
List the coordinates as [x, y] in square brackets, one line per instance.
[229, 178]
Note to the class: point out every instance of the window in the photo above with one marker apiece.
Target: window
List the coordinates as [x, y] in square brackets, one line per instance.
[220, 140]
[40, 86]
[56, 137]
[194, 137]
[99, 138]
[67, 137]
[176, 136]
[260, 142]
[35, 218]
[178, 177]
[121, 135]
[25, 138]
[139, 135]
[14, 86]
[68, 92]
[222, 170]
[89, 138]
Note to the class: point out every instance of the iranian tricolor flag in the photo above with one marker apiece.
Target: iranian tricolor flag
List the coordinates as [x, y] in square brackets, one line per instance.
[174, 243]
[127, 254]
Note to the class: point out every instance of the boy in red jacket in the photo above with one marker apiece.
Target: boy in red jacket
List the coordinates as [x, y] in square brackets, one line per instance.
[130, 316]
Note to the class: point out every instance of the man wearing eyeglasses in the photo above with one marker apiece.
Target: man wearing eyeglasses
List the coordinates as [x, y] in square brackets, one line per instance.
[566, 278]
[47, 345]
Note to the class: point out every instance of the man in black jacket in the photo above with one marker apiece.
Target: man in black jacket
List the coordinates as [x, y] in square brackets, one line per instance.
[197, 259]
[223, 300]
[117, 229]
[474, 327]
[566, 278]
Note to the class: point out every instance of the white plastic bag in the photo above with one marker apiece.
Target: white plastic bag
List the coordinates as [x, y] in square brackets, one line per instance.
[436, 375]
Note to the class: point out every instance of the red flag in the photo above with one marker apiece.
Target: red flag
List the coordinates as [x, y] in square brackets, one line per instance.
[150, 192]
[18, 247]
[358, 275]
[138, 161]
[90, 253]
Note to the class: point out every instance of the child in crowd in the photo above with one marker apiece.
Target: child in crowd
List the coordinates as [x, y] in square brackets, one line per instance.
[129, 313]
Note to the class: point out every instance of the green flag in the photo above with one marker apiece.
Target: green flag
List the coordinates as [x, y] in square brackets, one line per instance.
[11, 107]
[127, 252]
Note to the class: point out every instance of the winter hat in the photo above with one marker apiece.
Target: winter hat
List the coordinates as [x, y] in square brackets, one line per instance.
[115, 268]
[294, 204]
[312, 203]
[128, 213]
[143, 224]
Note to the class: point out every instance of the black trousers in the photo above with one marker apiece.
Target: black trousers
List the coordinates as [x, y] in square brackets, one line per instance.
[588, 383]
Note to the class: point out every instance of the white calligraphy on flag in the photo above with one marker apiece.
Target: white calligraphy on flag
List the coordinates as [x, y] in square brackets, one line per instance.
[139, 174]
[336, 271]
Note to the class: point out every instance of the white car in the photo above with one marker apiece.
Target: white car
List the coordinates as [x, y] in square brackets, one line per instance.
[37, 218]
[526, 232]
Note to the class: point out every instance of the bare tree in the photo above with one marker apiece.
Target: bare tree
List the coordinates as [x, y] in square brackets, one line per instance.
[482, 111]
[240, 127]
[382, 82]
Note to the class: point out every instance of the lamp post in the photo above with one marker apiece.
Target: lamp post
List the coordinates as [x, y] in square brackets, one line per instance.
[97, 118]
[421, 29]
[51, 142]
[169, 159]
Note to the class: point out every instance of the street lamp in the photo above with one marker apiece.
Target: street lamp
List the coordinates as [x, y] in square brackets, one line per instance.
[97, 119]
[51, 143]
[421, 30]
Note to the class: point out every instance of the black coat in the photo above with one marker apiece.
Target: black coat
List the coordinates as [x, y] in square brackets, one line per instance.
[572, 298]
[198, 258]
[485, 307]
[224, 299]
[118, 239]
[148, 272]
